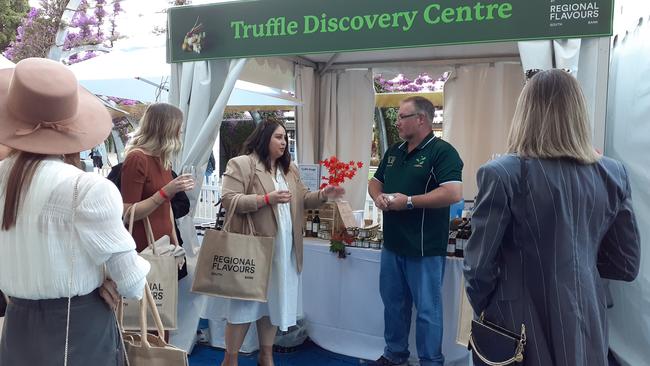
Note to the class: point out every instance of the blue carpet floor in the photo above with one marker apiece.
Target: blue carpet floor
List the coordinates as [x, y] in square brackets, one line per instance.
[308, 354]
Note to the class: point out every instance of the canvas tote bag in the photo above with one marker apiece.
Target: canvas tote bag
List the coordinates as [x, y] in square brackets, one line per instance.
[232, 265]
[162, 279]
[144, 349]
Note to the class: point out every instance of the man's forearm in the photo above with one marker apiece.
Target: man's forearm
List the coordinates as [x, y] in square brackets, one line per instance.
[442, 196]
[375, 188]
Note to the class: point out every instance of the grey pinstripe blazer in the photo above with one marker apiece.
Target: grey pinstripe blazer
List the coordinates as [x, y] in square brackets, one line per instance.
[541, 244]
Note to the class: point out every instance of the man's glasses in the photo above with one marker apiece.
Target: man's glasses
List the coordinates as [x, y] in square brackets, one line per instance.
[405, 116]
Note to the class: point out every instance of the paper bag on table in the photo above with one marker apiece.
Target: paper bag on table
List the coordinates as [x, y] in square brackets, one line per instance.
[345, 212]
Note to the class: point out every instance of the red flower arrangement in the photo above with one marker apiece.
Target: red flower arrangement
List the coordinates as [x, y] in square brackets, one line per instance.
[339, 241]
[339, 171]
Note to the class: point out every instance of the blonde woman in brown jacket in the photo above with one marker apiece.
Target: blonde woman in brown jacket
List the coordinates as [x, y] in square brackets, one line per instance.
[273, 194]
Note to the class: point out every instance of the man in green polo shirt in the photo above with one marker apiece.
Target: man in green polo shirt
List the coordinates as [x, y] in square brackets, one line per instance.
[414, 185]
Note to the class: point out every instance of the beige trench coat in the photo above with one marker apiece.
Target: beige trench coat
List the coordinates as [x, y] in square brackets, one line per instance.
[236, 182]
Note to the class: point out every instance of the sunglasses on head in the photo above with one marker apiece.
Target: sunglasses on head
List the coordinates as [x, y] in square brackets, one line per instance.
[532, 72]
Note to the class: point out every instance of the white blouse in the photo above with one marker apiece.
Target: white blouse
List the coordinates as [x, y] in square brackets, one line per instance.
[36, 255]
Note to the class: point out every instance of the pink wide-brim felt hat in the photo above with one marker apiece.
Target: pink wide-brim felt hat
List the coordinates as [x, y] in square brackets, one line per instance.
[44, 110]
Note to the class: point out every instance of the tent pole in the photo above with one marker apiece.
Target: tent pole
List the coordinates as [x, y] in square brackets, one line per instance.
[329, 63]
[600, 100]
[381, 127]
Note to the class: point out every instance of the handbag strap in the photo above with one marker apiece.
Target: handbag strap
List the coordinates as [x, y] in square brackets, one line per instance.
[148, 301]
[75, 199]
[148, 231]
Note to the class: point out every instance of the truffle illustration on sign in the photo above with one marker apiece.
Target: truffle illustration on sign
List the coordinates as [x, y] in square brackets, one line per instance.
[194, 39]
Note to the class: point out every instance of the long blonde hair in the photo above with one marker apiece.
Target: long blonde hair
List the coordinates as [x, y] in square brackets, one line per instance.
[158, 132]
[551, 120]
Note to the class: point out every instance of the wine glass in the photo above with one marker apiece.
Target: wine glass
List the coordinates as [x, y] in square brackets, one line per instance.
[189, 169]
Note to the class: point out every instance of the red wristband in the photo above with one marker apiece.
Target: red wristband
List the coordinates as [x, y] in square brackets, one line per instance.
[267, 200]
[163, 194]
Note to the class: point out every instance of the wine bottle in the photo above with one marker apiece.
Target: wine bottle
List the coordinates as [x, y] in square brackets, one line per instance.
[308, 224]
[315, 225]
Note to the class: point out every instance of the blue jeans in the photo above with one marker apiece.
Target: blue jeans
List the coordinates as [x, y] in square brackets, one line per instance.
[404, 281]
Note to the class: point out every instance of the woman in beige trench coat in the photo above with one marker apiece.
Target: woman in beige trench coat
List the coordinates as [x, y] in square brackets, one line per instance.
[271, 191]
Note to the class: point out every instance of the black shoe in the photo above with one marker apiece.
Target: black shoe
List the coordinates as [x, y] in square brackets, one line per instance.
[383, 361]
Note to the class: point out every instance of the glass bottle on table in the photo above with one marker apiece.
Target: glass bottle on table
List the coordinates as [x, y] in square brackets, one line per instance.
[453, 236]
[308, 224]
[315, 225]
[460, 238]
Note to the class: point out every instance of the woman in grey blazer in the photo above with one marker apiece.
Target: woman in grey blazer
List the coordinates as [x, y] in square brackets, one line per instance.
[552, 219]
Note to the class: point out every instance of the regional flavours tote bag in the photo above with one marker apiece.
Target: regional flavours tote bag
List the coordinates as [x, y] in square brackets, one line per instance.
[162, 280]
[145, 349]
[232, 265]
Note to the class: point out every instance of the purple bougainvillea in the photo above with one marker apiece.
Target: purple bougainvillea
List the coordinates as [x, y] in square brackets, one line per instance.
[422, 83]
[91, 25]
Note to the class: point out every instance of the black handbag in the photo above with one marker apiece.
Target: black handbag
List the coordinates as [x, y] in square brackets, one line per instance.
[491, 344]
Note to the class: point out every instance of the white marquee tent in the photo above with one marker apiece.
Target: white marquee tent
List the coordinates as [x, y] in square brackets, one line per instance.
[338, 103]
[142, 74]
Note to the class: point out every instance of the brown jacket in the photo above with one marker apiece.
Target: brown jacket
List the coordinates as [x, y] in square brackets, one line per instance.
[236, 180]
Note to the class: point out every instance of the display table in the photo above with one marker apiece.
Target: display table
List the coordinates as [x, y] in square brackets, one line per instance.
[342, 307]
[344, 311]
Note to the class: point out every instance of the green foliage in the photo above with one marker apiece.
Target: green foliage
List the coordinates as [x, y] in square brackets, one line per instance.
[37, 32]
[390, 118]
[232, 134]
[11, 14]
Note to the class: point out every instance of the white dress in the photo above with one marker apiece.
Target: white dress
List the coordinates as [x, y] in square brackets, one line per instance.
[282, 305]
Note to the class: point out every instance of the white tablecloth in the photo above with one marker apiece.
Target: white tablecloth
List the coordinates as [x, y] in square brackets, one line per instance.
[344, 311]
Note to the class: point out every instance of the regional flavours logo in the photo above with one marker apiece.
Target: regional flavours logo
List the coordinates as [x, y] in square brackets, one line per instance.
[572, 11]
[221, 263]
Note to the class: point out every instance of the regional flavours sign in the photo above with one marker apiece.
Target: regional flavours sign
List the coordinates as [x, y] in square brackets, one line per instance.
[285, 27]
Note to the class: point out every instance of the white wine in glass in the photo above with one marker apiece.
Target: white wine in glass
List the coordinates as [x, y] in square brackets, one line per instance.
[190, 170]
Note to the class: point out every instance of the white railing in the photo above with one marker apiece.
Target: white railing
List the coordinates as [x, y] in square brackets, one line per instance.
[206, 206]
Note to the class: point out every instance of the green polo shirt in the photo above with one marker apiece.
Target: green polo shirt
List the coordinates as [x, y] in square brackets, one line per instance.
[421, 231]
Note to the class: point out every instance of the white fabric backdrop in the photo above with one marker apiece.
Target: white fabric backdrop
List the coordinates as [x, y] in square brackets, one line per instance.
[628, 139]
[480, 101]
[347, 103]
[588, 61]
[564, 54]
[201, 90]
[307, 115]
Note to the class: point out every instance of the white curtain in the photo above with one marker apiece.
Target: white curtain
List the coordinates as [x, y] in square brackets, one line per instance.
[588, 61]
[479, 104]
[307, 115]
[347, 102]
[274, 72]
[543, 55]
[628, 139]
[201, 90]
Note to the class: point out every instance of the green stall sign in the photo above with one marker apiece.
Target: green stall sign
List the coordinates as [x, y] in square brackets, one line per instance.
[289, 27]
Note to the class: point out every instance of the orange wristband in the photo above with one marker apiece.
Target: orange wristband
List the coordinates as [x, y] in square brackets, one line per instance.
[163, 194]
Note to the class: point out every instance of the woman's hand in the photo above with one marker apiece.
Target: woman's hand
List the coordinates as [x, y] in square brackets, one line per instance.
[181, 183]
[276, 197]
[333, 191]
[108, 292]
